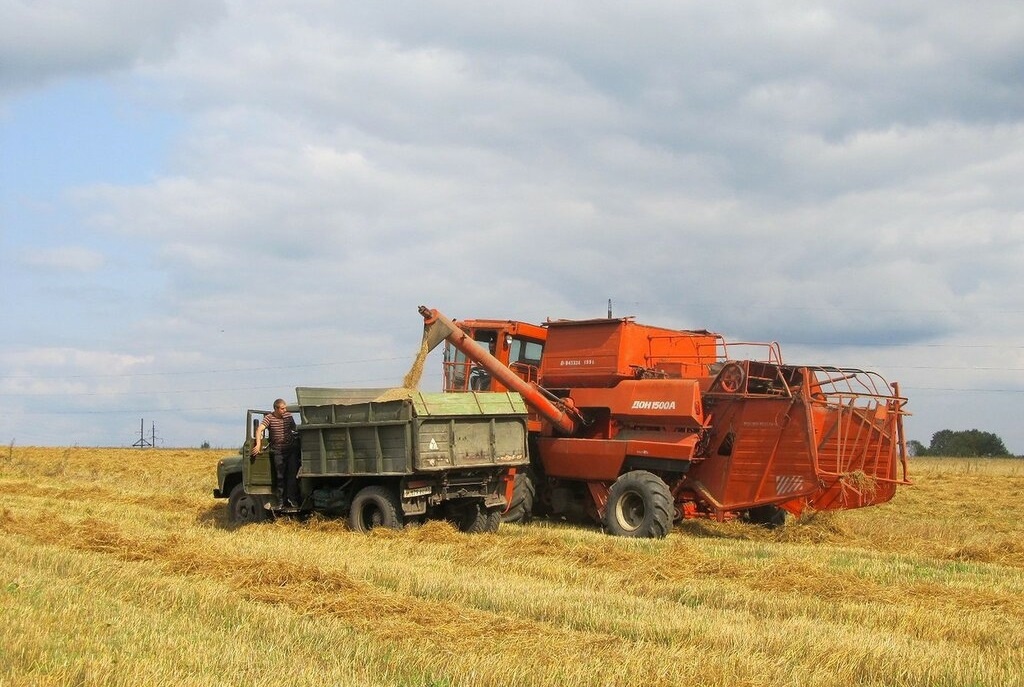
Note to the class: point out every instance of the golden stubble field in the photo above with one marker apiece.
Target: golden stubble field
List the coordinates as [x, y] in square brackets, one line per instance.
[119, 568]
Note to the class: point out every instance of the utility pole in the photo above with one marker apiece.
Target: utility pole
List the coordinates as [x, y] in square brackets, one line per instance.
[142, 443]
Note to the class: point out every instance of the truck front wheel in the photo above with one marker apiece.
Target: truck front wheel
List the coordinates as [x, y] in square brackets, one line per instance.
[375, 506]
[244, 508]
[639, 505]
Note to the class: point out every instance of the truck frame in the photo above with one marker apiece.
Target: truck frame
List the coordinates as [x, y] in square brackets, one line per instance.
[384, 457]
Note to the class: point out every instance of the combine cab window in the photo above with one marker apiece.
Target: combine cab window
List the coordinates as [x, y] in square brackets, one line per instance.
[461, 374]
[526, 352]
[455, 368]
[479, 378]
[520, 354]
[524, 358]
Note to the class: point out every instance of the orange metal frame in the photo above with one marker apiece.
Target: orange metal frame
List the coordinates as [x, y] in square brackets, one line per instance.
[727, 435]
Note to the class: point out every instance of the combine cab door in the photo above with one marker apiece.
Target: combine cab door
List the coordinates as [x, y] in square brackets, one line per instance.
[258, 471]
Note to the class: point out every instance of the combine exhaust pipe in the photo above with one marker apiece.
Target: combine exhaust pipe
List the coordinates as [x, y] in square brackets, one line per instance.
[438, 328]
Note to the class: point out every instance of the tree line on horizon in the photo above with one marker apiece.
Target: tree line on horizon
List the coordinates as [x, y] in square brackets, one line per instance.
[968, 443]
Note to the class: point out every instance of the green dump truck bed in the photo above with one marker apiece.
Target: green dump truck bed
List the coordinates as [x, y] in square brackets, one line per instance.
[355, 432]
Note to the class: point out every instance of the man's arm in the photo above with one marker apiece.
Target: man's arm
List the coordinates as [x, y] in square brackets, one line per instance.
[258, 446]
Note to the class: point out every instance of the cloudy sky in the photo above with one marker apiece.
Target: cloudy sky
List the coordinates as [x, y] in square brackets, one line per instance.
[205, 204]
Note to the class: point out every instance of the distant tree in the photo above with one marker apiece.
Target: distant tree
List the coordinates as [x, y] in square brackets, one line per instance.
[916, 448]
[205, 444]
[966, 443]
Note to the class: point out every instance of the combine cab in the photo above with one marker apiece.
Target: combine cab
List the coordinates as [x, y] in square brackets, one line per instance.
[638, 426]
[516, 345]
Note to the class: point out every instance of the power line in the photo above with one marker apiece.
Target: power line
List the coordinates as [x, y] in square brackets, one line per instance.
[164, 392]
[130, 375]
[959, 389]
[234, 407]
[719, 306]
[132, 411]
[203, 372]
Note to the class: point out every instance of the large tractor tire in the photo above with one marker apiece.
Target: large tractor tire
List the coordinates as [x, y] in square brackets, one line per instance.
[639, 505]
[244, 508]
[524, 493]
[375, 506]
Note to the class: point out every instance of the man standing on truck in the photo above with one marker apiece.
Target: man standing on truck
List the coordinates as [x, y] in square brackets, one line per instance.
[284, 446]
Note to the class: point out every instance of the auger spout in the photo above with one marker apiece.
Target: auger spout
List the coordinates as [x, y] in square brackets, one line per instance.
[438, 328]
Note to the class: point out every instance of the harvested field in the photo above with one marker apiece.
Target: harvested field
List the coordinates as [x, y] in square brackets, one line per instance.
[119, 568]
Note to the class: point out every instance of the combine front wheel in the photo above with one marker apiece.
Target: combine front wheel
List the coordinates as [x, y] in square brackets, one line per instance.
[639, 505]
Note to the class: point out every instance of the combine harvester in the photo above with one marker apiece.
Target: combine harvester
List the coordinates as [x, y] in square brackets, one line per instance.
[637, 427]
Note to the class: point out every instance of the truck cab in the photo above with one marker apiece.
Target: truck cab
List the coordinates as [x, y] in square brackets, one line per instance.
[246, 481]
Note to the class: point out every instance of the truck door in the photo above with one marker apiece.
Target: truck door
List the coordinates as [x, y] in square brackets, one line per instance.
[258, 471]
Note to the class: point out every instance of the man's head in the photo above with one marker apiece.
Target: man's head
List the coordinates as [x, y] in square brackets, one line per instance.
[280, 407]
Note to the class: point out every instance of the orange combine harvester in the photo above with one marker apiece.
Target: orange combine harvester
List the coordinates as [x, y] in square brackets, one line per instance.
[637, 426]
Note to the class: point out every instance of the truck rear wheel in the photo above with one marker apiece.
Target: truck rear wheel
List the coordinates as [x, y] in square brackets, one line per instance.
[639, 505]
[470, 517]
[493, 520]
[524, 492]
[375, 506]
[244, 508]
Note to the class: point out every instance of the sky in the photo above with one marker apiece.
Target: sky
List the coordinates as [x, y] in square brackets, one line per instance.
[204, 204]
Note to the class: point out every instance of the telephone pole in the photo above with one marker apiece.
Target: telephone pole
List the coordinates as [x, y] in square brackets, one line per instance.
[142, 443]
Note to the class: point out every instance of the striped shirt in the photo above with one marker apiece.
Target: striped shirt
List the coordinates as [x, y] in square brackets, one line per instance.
[281, 430]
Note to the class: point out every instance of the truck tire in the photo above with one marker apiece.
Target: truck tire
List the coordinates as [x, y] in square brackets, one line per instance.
[375, 506]
[524, 492]
[493, 520]
[639, 505]
[470, 518]
[244, 508]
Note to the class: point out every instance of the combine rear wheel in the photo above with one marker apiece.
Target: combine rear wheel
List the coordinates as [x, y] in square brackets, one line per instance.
[524, 492]
[639, 505]
[375, 506]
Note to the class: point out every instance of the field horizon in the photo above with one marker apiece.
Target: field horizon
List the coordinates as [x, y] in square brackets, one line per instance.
[120, 568]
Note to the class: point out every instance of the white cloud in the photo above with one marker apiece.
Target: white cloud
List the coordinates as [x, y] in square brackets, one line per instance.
[45, 39]
[65, 259]
[829, 177]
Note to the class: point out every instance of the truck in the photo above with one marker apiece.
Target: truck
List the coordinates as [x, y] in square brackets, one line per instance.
[386, 457]
[636, 427]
